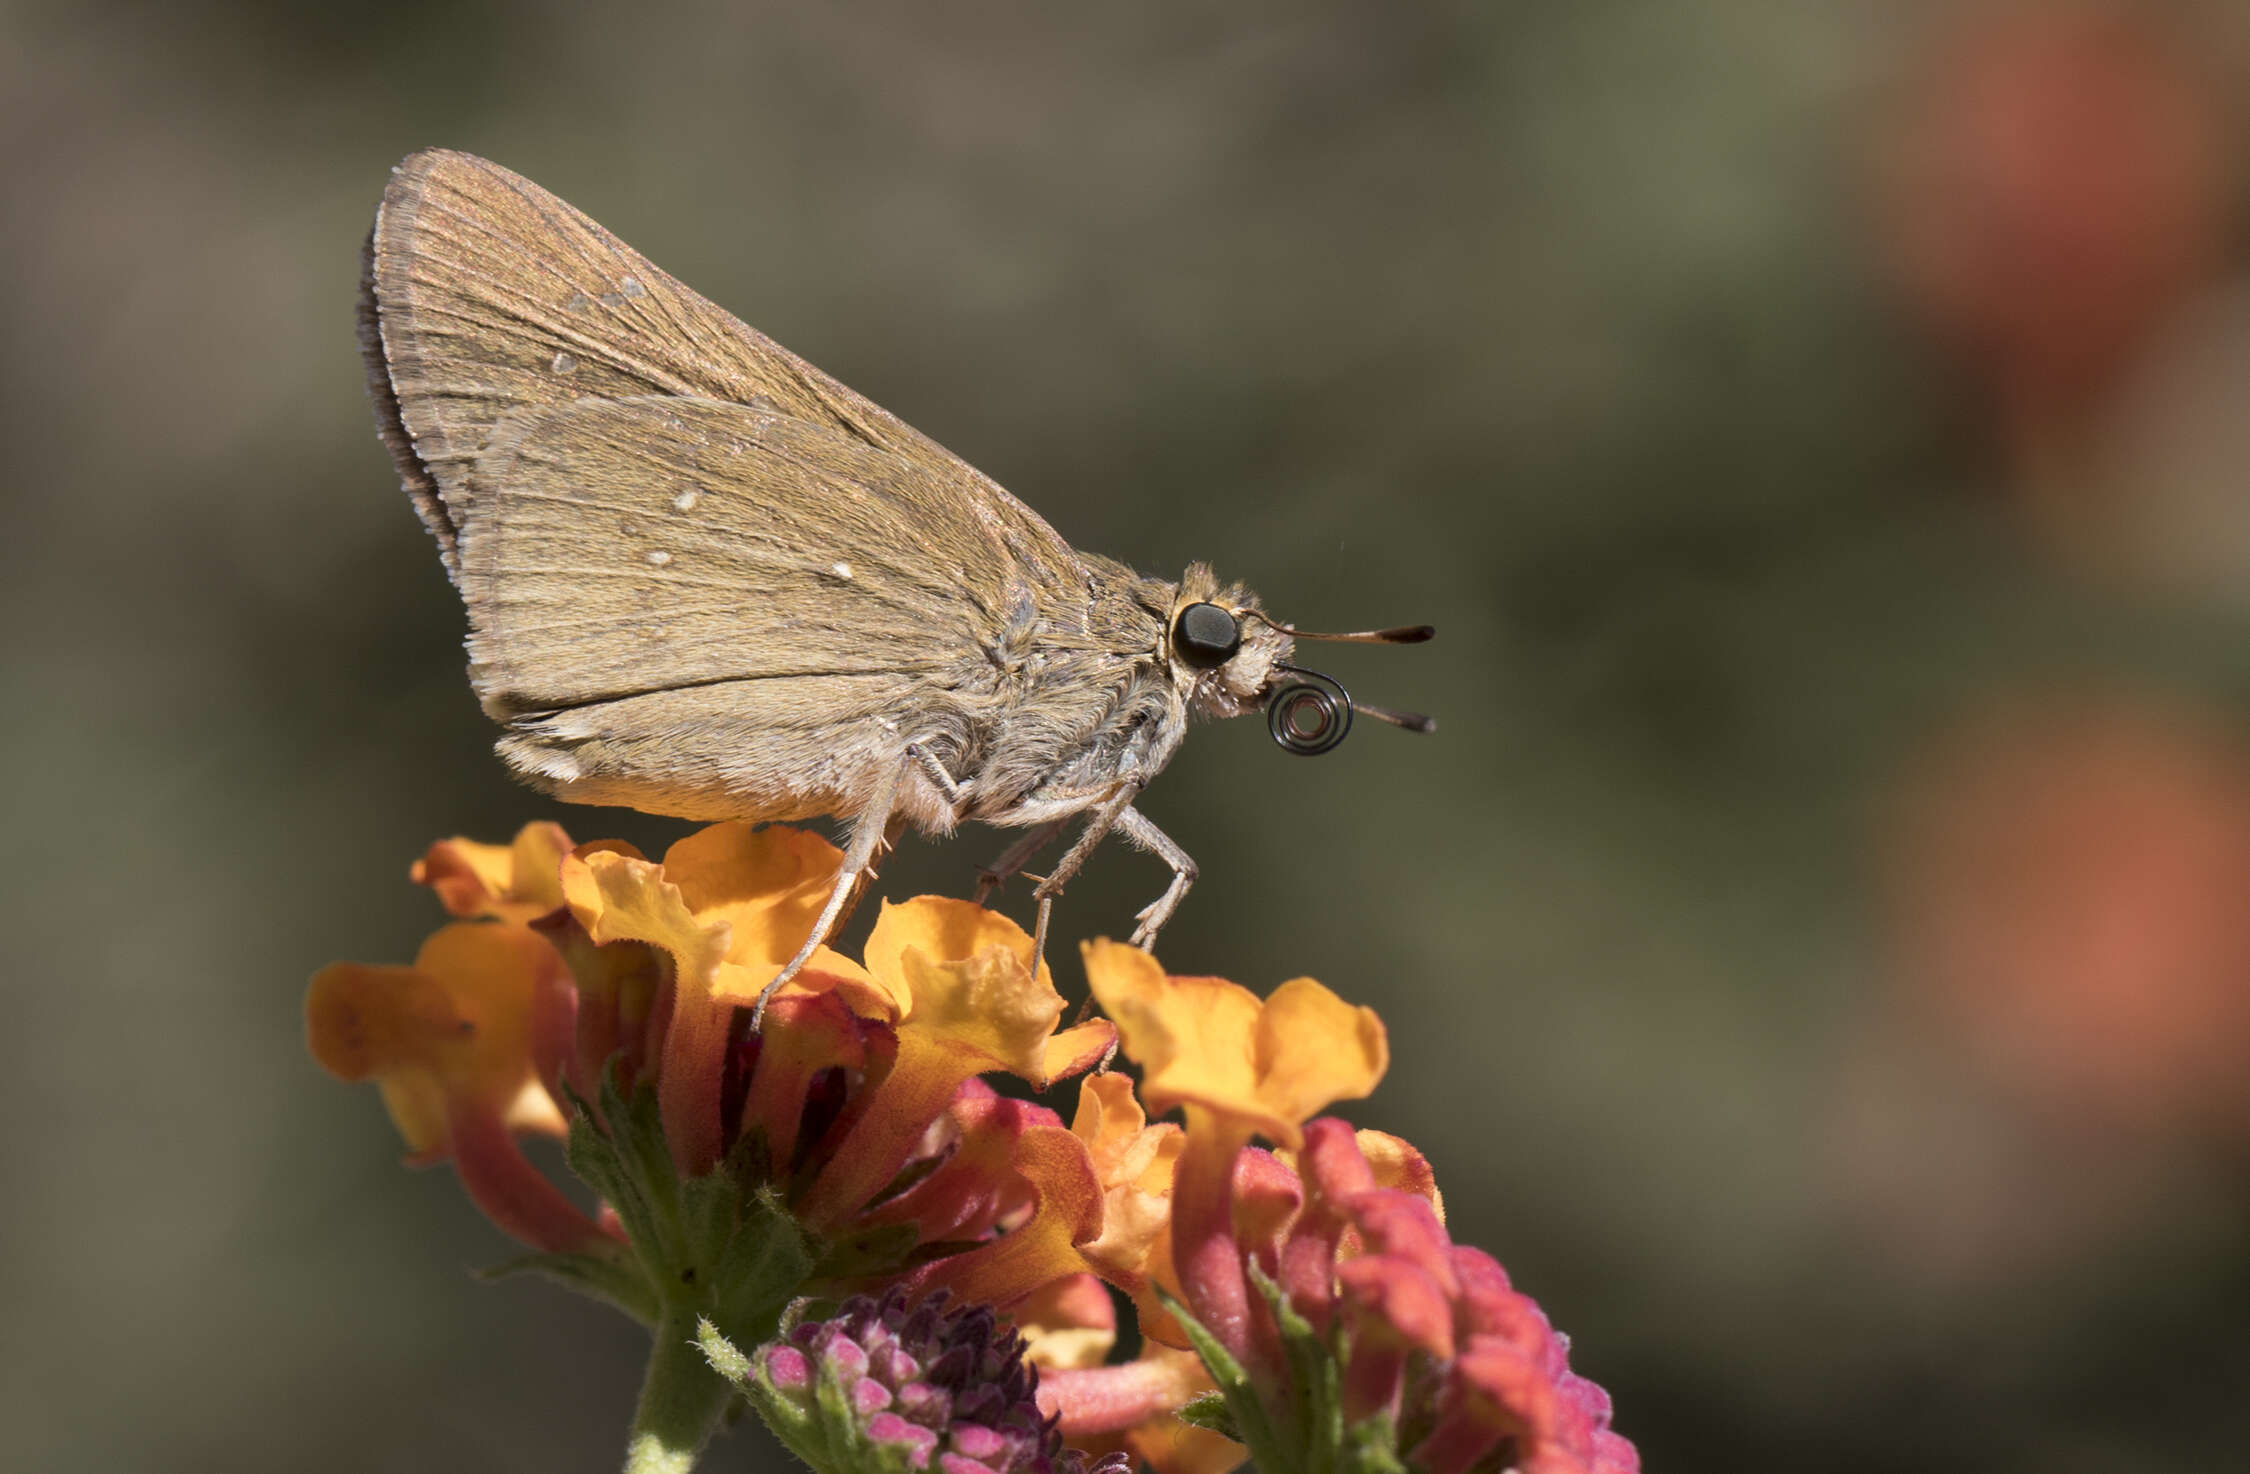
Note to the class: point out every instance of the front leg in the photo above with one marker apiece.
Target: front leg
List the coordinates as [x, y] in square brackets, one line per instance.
[1136, 827]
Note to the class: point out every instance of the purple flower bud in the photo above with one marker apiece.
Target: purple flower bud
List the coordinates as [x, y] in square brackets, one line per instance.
[986, 1445]
[894, 1364]
[844, 1360]
[869, 1397]
[932, 1407]
[893, 1430]
[787, 1368]
[943, 1384]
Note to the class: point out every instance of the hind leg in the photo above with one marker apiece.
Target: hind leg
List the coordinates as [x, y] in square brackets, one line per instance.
[872, 831]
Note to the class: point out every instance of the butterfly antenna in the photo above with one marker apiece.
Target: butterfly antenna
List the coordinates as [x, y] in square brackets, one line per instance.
[1405, 634]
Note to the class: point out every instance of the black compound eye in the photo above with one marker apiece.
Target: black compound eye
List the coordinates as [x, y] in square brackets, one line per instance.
[1205, 636]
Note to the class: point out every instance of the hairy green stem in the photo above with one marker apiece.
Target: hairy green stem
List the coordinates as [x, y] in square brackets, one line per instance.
[681, 1400]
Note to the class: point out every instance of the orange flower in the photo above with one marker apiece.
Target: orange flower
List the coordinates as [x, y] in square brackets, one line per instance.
[955, 983]
[946, 995]
[1135, 1162]
[864, 1078]
[1239, 1068]
[731, 903]
[462, 1045]
[728, 905]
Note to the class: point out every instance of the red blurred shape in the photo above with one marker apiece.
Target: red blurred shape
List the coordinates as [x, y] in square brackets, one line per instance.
[2059, 188]
[2070, 895]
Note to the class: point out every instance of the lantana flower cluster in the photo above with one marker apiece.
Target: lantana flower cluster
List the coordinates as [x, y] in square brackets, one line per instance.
[838, 1219]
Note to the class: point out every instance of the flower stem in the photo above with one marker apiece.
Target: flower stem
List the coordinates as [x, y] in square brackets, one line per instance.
[681, 1400]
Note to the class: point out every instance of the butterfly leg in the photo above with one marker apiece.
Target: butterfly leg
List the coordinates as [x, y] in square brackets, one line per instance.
[1074, 859]
[869, 832]
[1135, 826]
[991, 877]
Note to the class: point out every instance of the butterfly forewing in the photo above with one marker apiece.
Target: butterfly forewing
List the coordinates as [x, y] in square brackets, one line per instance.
[487, 296]
[618, 547]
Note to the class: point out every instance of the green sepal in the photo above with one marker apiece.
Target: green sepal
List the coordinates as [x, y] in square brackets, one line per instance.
[619, 1151]
[763, 1264]
[1315, 1375]
[725, 1357]
[722, 1245]
[868, 1253]
[1254, 1428]
[1209, 1411]
[612, 1278]
[1371, 1447]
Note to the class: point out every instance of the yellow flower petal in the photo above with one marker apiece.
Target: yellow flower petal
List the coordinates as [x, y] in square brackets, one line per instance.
[962, 1001]
[1270, 1065]
[730, 903]
[617, 898]
[1134, 1162]
[1313, 1049]
[945, 930]
[767, 885]
[957, 974]
[513, 882]
[984, 1006]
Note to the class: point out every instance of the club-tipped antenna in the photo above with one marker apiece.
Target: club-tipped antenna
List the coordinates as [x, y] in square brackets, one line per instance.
[1404, 634]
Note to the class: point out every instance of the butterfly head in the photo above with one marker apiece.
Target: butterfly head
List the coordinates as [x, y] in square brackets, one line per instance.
[1238, 659]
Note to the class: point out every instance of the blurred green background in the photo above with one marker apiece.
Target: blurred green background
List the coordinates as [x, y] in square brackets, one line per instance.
[1816, 946]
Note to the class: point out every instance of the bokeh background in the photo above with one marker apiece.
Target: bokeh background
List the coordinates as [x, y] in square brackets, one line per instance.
[1816, 946]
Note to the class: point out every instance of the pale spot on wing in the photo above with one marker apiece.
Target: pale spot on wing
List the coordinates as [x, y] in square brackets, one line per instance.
[841, 570]
[658, 557]
[686, 500]
[564, 364]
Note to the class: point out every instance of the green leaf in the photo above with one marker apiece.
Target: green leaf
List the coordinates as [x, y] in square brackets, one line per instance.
[612, 1278]
[721, 1245]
